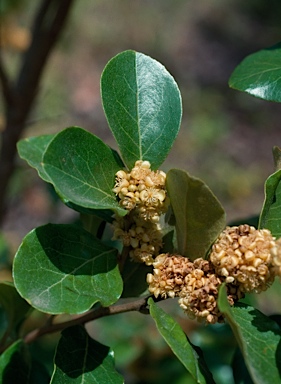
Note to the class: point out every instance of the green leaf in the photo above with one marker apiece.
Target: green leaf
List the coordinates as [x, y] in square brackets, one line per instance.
[199, 216]
[80, 359]
[258, 337]
[240, 372]
[270, 216]
[13, 304]
[189, 355]
[64, 269]
[142, 104]
[259, 74]
[32, 150]
[82, 169]
[15, 364]
[134, 278]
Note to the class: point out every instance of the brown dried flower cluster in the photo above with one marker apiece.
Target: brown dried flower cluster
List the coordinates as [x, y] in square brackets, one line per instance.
[242, 255]
[169, 275]
[195, 283]
[143, 190]
[245, 258]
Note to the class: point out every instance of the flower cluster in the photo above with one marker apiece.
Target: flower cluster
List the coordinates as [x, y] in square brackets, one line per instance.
[142, 192]
[195, 283]
[243, 256]
[142, 237]
[276, 257]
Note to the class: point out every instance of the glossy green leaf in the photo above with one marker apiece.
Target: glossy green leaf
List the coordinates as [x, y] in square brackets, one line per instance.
[258, 337]
[15, 365]
[82, 169]
[189, 355]
[82, 360]
[199, 216]
[270, 217]
[32, 150]
[64, 269]
[259, 74]
[13, 304]
[142, 104]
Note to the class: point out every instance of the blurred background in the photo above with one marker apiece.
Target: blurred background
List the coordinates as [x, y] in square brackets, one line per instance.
[226, 136]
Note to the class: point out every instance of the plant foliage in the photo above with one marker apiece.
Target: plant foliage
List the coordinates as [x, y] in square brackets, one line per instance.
[77, 269]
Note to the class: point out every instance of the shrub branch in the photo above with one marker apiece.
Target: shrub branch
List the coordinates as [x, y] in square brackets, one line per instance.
[19, 96]
[139, 305]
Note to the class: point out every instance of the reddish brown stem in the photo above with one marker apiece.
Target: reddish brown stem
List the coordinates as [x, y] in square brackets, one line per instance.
[137, 305]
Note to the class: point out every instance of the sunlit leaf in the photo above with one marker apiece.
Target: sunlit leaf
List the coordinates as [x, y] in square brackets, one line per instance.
[258, 337]
[270, 217]
[64, 269]
[142, 104]
[189, 355]
[82, 360]
[32, 150]
[82, 169]
[259, 74]
[199, 215]
[15, 365]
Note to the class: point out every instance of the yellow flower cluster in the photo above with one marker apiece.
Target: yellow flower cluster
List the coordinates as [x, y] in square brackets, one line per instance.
[142, 192]
[143, 237]
[243, 255]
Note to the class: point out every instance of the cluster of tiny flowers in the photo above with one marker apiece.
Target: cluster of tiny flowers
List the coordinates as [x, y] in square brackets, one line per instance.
[276, 258]
[142, 237]
[142, 192]
[243, 256]
[195, 283]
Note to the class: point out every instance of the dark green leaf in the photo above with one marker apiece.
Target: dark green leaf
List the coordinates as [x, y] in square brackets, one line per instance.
[15, 365]
[82, 169]
[258, 337]
[64, 269]
[4, 251]
[259, 74]
[189, 355]
[134, 277]
[13, 305]
[168, 242]
[142, 104]
[270, 217]
[240, 371]
[82, 360]
[199, 216]
[32, 150]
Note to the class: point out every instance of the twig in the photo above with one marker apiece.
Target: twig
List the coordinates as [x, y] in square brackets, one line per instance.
[49, 22]
[5, 82]
[139, 305]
